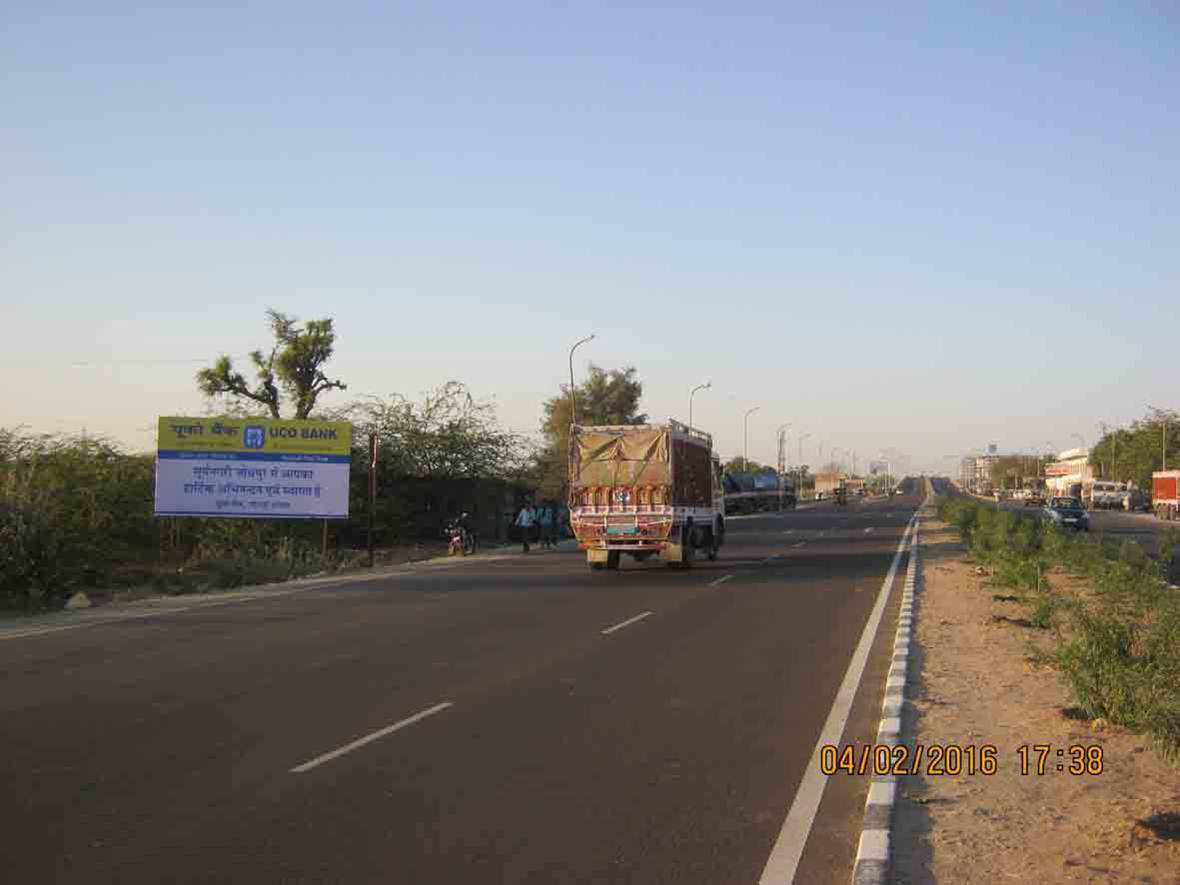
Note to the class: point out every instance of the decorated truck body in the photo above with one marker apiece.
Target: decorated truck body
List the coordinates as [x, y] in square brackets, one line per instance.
[645, 490]
[1165, 494]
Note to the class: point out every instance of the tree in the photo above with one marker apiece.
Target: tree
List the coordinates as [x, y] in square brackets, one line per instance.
[738, 465]
[1134, 453]
[293, 368]
[447, 435]
[604, 398]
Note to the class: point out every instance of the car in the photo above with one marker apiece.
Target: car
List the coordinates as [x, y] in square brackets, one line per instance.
[1067, 513]
[1034, 499]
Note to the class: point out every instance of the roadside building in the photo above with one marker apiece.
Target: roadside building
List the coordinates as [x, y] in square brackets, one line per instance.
[826, 483]
[967, 473]
[1072, 468]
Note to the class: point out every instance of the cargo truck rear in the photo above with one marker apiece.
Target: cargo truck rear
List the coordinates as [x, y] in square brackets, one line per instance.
[645, 490]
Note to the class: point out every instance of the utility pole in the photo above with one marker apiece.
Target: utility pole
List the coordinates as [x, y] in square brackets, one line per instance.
[573, 395]
[746, 447]
[1163, 436]
[691, 394]
[372, 491]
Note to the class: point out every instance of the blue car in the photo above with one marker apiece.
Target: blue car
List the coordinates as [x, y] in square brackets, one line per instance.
[1068, 513]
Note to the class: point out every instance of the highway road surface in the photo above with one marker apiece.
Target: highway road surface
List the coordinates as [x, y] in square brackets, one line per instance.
[511, 719]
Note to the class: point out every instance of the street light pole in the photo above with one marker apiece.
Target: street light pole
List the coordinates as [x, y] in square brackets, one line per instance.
[691, 394]
[746, 447]
[1163, 437]
[573, 395]
[799, 493]
[780, 436]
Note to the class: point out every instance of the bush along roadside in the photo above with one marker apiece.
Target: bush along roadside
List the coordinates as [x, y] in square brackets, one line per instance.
[1118, 647]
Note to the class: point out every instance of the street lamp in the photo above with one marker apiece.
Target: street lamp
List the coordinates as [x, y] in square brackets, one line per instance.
[805, 436]
[746, 447]
[1163, 437]
[691, 394]
[780, 437]
[573, 396]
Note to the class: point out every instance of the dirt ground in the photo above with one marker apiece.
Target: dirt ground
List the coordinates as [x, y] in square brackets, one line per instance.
[975, 686]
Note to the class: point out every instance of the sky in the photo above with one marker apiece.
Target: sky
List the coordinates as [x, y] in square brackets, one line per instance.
[920, 229]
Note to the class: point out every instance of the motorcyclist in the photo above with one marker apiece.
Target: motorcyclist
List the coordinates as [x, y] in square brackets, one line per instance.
[468, 533]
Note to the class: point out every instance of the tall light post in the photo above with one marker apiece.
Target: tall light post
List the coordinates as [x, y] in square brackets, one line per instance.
[693, 393]
[780, 436]
[1052, 452]
[746, 446]
[801, 439]
[573, 395]
[1163, 437]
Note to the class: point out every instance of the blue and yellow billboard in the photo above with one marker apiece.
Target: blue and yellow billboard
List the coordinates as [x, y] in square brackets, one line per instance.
[253, 467]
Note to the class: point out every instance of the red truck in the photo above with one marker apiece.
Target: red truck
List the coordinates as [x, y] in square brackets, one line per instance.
[1165, 494]
[645, 490]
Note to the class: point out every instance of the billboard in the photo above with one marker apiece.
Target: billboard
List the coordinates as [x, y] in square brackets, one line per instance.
[253, 467]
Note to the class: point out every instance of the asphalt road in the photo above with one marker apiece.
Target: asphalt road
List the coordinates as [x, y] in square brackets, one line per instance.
[649, 725]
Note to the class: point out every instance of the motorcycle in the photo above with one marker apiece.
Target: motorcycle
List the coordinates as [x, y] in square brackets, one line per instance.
[460, 540]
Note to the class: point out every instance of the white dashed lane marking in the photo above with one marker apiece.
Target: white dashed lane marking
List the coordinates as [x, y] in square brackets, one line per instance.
[626, 623]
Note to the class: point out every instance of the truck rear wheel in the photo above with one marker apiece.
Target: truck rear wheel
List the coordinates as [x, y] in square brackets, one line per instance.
[612, 560]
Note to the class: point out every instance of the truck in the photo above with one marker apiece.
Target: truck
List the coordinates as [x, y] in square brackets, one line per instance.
[757, 492]
[1104, 495]
[1165, 494]
[645, 490]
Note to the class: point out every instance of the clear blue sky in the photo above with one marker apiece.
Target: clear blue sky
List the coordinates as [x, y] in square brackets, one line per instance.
[925, 228]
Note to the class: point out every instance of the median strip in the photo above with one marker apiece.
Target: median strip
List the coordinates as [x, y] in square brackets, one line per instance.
[369, 738]
[626, 623]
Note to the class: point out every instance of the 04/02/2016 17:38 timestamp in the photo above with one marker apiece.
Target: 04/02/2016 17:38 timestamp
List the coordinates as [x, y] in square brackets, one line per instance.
[957, 760]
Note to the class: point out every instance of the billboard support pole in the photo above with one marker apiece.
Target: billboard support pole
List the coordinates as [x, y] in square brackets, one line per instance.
[324, 544]
[372, 491]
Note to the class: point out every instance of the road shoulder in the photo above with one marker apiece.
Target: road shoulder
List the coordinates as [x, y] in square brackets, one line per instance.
[977, 687]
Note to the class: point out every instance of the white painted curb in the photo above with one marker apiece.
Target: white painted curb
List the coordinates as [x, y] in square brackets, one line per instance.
[875, 847]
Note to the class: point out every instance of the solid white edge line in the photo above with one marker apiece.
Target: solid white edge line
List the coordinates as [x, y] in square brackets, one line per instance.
[721, 580]
[626, 623]
[792, 838]
[369, 738]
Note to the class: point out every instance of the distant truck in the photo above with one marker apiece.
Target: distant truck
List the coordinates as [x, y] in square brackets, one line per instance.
[1101, 495]
[1165, 496]
[645, 490]
[757, 492]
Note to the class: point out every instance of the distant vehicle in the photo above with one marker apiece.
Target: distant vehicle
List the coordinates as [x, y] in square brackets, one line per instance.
[1103, 495]
[840, 495]
[645, 490]
[1165, 494]
[1068, 513]
[1135, 500]
[1033, 498]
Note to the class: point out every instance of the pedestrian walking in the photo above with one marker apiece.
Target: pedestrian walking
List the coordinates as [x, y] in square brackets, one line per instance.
[546, 520]
[525, 520]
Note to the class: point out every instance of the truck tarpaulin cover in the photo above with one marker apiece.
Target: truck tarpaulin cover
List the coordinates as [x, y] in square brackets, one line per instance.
[629, 458]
